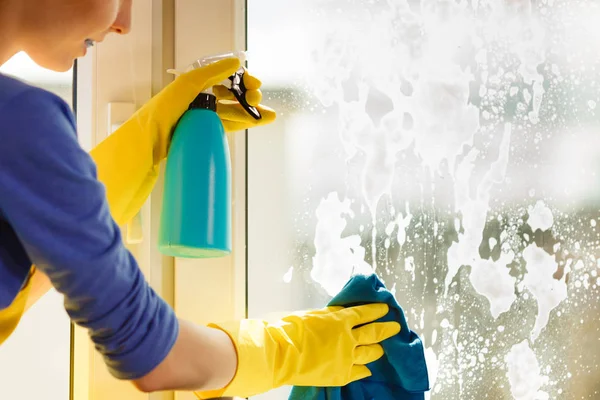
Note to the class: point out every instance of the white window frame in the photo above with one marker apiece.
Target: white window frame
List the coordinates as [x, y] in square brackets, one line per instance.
[214, 289]
[165, 34]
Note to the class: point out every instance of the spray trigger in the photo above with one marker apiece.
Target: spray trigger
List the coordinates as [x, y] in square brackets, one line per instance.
[238, 88]
[235, 83]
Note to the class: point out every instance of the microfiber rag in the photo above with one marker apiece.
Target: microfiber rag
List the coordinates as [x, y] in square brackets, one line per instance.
[401, 374]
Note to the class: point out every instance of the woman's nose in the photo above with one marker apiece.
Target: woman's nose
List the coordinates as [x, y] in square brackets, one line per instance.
[122, 24]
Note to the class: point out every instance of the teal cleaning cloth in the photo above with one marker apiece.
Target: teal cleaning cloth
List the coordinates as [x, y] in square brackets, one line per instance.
[401, 374]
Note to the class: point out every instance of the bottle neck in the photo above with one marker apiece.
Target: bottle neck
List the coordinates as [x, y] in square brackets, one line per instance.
[204, 101]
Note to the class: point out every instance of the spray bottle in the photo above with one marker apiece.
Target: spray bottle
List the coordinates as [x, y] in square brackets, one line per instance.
[196, 212]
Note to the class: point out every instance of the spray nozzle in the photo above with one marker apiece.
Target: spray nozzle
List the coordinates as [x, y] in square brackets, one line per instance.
[235, 83]
[201, 62]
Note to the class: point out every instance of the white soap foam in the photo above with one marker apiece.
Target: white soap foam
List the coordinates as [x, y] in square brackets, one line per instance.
[337, 258]
[524, 373]
[403, 223]
[540, 216]
[488, 278]
[379, 145]
[493, 280]
[444, 125]
[287, 278]
[445, 122]
[433, 366]
[409, 266]
[346, 60]
[539, 280]
[441, 91]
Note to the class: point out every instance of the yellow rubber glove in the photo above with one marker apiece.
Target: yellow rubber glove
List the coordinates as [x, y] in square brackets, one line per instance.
[233, 115]
[128, 160]
[327, 347]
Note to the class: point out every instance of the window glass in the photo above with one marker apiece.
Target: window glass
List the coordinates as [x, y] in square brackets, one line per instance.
[35, 360]
[451, 146]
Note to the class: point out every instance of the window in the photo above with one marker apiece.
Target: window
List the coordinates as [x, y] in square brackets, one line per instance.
[451, 146]
[38, 351]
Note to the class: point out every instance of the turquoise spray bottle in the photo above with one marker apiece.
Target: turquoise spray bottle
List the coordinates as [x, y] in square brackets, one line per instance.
[196, 211]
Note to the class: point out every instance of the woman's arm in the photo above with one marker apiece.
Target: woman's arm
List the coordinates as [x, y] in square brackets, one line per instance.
[58, 209]
[51, 193]
[202, 359]
[51, 197]
[127, 162]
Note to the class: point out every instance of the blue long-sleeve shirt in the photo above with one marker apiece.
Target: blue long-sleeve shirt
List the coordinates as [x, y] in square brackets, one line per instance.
[54, 214]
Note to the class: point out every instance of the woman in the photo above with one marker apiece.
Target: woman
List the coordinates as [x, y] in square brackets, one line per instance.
[60, 209]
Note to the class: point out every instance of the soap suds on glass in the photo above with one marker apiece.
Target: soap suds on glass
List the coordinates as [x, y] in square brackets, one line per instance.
[465, 172]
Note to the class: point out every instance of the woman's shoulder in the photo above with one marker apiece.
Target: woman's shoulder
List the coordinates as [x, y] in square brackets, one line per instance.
[10, 86]
[29, 108]
[19, 95]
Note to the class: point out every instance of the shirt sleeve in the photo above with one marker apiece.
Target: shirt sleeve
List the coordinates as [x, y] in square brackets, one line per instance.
[50, 195]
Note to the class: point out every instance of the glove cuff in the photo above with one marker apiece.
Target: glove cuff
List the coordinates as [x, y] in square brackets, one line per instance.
[255, 356]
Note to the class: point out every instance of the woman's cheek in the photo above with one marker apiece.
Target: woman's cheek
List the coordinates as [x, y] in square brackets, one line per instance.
[100, 14]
